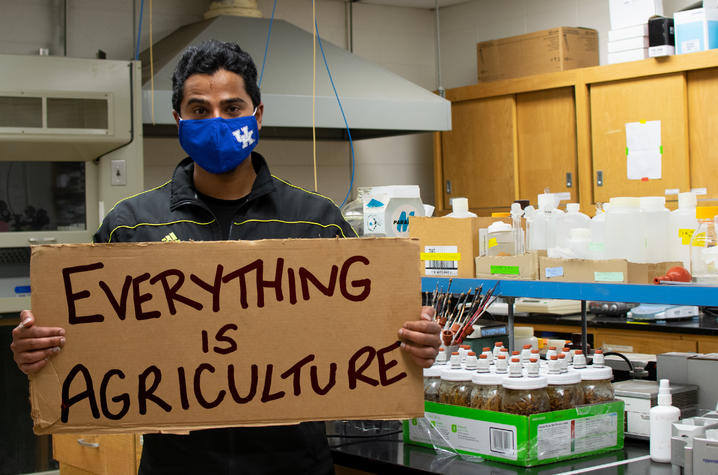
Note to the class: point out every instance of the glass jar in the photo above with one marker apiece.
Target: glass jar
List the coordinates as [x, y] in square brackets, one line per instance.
[596, 384]
[432, 381]
[455, 387]
[486, 391]
[525, 396]
[564, 390]
[704, 247]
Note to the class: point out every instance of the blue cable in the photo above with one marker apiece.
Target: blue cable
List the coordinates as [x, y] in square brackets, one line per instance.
[266, 45]
[139, 31]
[346, 124]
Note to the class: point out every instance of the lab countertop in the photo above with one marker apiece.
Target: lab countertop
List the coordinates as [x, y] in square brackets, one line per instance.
[389, 454]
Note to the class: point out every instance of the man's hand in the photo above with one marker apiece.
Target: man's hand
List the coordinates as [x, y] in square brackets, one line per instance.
[421, 338]
[32, 346]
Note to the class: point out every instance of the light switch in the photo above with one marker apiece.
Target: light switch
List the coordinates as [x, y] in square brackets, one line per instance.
[119, 172]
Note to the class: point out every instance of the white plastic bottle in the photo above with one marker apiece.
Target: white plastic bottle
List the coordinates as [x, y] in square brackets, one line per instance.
[683, 224]
[624, 239]
[517, 229]
[655, 218]
[579, 242]
[542, 224]
[662, 418]
[597, 246]
[460, 209]
[571, 220]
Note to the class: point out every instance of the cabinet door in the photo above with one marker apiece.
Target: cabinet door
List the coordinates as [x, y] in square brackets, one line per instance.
[478, 153]
[616, 103]
[546, 126]
[644, 342]
[703, 128]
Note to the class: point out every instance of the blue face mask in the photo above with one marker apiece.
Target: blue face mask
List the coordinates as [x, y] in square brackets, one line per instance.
[219, 145]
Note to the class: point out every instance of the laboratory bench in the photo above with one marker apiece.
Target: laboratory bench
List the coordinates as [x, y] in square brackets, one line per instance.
[389, 454]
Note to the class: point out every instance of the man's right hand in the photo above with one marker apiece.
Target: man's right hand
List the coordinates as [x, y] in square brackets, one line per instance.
[32, 346]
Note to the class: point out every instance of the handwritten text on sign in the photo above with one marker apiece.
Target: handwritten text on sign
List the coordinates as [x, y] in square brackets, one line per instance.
[186, 335]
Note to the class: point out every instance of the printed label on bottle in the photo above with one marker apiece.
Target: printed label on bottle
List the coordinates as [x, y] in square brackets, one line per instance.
[685, 235]
[441, 260]
[608, 276]
[595, 246]
[493, 243]
[505, 270]
[699, 240]
[554, 272]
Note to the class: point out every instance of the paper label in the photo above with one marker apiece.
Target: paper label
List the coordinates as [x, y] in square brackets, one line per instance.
[505, 270]
[441, 260]
[554, 272]
[493, 243]
[553, 439]
[672, 191]
[699, 191]
[685, 235]
[699, 241]
[608, 276]
[596, 246]
[556, 439]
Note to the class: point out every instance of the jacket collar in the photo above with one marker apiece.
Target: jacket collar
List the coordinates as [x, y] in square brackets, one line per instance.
[182, 190]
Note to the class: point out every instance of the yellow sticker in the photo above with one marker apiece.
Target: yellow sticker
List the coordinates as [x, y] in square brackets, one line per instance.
[440, 256]
[685, 235]
[493, 243]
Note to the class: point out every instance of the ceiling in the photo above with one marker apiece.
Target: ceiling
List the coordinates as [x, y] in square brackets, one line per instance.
[414, 3]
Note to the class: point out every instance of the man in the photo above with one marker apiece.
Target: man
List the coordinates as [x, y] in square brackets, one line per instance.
[223, 190]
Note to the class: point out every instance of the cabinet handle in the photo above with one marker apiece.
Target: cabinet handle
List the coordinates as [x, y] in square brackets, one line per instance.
[569, 180]
[84, 443]
[448, 187]
[599, 178]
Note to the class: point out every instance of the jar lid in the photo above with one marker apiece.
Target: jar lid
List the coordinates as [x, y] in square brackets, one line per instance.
[456, 375]
[571, 377]
[487, 379]
[525, 383]
[594, 374]
[433, 371]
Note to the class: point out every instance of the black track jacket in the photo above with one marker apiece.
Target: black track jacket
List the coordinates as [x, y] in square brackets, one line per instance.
[273, 209]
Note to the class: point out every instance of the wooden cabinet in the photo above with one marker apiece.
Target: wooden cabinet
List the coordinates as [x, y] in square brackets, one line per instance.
[615, 103]
[574, 122]
[645, 342]
[97, 454]
[546, 122]
[479, 153]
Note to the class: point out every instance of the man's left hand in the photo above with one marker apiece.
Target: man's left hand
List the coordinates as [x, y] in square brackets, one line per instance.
[420, 338]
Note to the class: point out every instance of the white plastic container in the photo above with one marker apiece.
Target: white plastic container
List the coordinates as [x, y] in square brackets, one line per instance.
[579, 241]
[542, 224]
[460, 209]
[661, 419]
[624, 239]
[683, 224]
[500, 239]
[655, 227]
[597, 247]
[572, 219]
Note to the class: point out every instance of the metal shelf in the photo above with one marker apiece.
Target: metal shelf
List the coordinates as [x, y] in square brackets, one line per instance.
[664, 294]
[511, 289]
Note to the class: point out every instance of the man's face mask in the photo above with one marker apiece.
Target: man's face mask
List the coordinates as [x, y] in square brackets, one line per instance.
[219, 145]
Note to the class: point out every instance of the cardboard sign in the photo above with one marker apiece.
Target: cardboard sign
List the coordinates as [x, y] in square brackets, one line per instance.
[186, 335]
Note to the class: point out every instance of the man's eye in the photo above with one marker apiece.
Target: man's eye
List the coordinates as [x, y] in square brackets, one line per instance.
[199, 111]
[234, 109]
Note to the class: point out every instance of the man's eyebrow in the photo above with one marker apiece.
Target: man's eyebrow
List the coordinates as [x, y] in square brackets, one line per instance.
[233, 100]
[196, 100]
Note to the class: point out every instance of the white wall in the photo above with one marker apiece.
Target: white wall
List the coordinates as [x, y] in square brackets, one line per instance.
[464, 25]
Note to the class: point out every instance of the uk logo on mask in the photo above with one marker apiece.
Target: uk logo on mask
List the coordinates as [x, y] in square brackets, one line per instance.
[244, 136]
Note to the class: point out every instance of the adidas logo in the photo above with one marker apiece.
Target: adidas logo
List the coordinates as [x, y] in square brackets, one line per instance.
[170, 237]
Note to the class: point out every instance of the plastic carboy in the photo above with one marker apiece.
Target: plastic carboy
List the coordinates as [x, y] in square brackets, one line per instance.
[624, 239]
[655, 229]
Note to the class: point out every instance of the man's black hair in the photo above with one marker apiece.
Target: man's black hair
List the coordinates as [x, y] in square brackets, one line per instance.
[208, 58]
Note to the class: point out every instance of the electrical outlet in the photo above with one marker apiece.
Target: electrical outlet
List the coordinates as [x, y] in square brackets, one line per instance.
[119, 172]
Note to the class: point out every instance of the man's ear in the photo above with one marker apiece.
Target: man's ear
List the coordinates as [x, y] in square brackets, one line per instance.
[258, 115]
[176, 116]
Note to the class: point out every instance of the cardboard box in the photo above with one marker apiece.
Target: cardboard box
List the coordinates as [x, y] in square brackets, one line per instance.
[449, 245]
[696, 30]
[639, 42]
[628, 32]
[520, 440]
[180, 336]
[626, 56]
[605, 271]
[557, 49]
[524, 267]
[625, 13]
